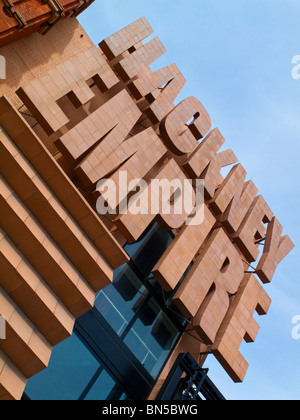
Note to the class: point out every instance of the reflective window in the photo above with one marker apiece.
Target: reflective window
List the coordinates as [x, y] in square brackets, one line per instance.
[71, 368]
[105, 388]
[119, 302]
[151, 337]
[147, 251]
[73, 374]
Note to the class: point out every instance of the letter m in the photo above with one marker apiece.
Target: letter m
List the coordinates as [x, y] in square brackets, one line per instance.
[109, 139]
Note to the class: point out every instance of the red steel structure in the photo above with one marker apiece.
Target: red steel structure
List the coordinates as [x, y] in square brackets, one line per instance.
[19, 18]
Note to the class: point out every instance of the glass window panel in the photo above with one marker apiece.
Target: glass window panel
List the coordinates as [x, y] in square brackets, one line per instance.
[105, 388]
[71, 368]
[147, 252]
[133, 249]
[102, 387]
[119, 302]
[140, 349]
[152, 339]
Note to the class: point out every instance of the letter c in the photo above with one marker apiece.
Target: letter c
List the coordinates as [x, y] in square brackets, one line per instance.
[179, 136]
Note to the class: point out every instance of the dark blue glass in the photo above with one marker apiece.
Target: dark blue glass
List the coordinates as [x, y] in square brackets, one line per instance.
[147, 251]
[105, 388]
[70, 369]
[152, 337]
[119, 302]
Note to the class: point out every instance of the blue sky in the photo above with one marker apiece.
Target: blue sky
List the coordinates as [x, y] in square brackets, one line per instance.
[237, 58]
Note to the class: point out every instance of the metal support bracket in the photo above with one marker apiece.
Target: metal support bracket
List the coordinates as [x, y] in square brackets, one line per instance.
[10, 10]
[57, 14]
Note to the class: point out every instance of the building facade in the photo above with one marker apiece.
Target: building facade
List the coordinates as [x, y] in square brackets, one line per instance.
[108, 286]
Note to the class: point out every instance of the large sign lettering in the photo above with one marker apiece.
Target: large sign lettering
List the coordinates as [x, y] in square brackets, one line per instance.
[131, 125]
